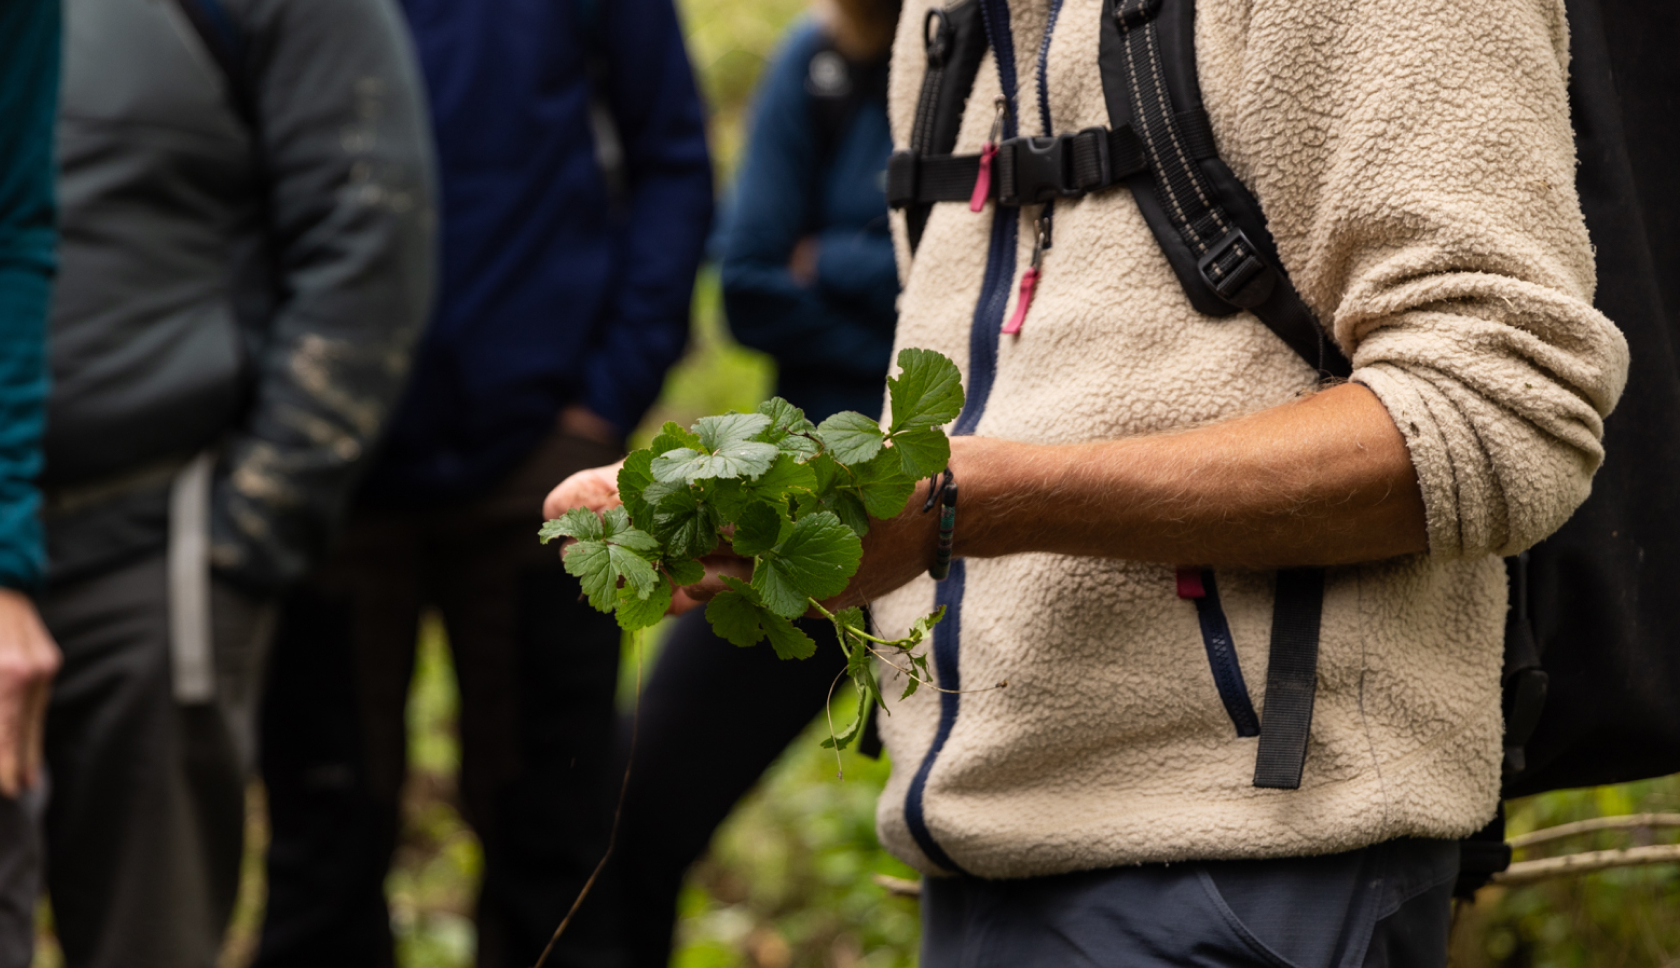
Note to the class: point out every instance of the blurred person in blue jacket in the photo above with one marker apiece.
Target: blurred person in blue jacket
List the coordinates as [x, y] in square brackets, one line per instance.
[29, 56]
[809, 277]
[576, 197]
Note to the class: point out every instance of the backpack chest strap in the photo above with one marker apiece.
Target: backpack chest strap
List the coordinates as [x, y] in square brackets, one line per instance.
[1029, 170]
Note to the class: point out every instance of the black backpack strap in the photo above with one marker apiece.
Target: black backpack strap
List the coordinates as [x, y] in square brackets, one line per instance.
[1203, 217]
[225, 43]
[1029, 170]
[1291, 679]
[955, 41]
[1212, 232]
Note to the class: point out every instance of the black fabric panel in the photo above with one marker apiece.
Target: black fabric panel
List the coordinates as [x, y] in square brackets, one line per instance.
[1601, 589]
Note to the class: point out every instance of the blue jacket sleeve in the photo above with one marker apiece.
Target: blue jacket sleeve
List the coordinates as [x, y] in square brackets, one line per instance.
[662, 233]
[29, 58]
[771, 209]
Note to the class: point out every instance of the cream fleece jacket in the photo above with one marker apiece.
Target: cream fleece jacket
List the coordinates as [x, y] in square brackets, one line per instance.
[1416, 165]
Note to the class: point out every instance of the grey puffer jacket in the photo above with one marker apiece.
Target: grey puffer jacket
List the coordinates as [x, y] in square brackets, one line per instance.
[253, 287]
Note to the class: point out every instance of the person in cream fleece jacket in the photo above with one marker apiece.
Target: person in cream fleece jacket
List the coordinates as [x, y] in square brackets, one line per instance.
[1416, 166]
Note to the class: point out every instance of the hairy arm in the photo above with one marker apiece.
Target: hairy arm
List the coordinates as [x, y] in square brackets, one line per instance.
[1325, 480]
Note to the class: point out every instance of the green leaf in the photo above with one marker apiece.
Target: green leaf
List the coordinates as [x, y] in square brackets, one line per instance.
[783, 480]
[685, 572]
[845, 739]
[789, 641]
[633, 480]
[922, 451]
[687, 525]
[734, 614]
[799, 446]
[672, 437]
[759, 528]
[884, 486]
[634, 569]
[785, 418]
[635, 612]
[838, 494]
[851, 437]
[739, 616]
[817, 560]
[727, 430]
[618, 529]
[739, 458]
[600, 566]
[923, 627]
[928, 392]
[849, 508]
[580, 523]
[591, 563]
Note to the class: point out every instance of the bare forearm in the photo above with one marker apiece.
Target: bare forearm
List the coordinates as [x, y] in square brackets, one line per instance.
[1321, 481]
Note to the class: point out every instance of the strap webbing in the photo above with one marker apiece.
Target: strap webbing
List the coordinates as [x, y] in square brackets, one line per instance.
[1291, 679]
[1028, 170]
[1228, 261]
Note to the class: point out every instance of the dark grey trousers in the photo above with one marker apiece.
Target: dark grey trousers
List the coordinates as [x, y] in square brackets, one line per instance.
[145, 827]
[1386, 906]
[20, 874]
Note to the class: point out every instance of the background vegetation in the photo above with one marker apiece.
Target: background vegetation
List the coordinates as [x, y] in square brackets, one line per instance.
[788, 881]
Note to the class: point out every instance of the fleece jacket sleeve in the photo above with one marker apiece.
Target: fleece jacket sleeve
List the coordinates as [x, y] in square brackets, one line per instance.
[29, 59]
[1428, 162]
[345, 149]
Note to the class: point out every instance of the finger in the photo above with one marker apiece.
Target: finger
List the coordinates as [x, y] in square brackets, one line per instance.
[682, 602]
[30, 749]
[11, 736]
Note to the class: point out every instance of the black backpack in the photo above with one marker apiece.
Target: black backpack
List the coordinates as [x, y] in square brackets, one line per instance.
[1591, 676]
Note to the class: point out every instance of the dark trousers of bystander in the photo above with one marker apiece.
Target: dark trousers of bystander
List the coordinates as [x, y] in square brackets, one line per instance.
[145, 825]
[537, 670]
[714, 717]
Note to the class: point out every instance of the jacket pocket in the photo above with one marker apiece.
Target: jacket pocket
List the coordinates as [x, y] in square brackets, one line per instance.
[1198, 585]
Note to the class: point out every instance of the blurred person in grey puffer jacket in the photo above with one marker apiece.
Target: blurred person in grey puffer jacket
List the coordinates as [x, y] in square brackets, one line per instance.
[247, 256]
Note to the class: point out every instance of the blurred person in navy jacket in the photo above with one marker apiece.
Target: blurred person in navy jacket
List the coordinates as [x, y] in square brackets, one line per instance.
[809, 277]
[576, 194]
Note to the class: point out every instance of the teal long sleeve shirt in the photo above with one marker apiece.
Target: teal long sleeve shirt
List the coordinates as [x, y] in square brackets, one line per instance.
[29, 59]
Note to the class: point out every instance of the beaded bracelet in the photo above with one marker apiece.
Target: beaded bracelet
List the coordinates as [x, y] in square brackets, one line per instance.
[944, 492]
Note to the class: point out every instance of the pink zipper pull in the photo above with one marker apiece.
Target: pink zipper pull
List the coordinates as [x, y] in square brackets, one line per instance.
[988, 151]
[1190, 585]
[1029, 279]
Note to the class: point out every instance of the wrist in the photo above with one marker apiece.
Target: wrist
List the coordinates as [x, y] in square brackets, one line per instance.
[995, 477]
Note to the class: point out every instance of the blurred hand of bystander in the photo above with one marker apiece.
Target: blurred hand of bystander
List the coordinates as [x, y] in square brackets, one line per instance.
[29, 659]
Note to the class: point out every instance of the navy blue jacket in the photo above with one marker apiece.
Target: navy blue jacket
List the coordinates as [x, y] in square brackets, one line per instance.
[547, 296]
[832, 340]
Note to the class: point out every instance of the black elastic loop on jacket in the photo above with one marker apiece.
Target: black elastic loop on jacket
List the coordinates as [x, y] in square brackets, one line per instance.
[1291, 679]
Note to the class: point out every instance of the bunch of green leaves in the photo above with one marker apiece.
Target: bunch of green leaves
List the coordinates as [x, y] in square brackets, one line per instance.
[794, 497]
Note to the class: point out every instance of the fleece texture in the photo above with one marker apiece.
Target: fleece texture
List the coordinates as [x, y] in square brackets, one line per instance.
[1416, 165]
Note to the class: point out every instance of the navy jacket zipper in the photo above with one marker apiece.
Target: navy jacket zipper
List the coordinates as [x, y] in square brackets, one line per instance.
[982, 368]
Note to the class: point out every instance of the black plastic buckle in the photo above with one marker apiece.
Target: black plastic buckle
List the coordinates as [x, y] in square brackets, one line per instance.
[1234, 270]
[1042, 168]
[1136, 13]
